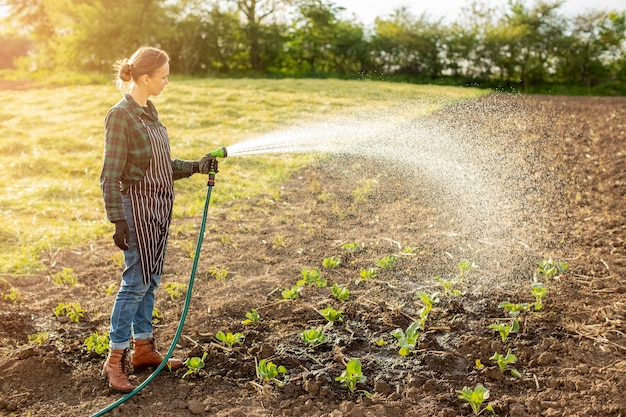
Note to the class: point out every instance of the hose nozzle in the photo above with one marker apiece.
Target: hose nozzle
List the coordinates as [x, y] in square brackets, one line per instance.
[219, 152]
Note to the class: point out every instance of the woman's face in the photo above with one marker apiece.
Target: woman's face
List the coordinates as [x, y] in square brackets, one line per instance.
[158, 80]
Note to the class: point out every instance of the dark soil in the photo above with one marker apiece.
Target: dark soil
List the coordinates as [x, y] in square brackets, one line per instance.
[571, 354]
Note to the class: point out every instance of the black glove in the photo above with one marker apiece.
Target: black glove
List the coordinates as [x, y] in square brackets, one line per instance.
[122, 234]
[205, 164]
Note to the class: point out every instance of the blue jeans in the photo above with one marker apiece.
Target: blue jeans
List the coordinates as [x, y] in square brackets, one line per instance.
[132, 310]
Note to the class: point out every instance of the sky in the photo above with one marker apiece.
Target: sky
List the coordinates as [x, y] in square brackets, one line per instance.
[367, 10]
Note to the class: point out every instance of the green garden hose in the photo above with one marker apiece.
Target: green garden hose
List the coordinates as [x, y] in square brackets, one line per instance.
[221, 152]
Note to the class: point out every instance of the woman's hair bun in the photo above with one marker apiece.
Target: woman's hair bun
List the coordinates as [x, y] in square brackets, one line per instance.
[125, 71]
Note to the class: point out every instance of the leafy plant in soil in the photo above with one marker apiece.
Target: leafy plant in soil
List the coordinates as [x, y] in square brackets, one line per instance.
[429, 302]
[194, 364]
[352, 376]
[387, 262]
[366, 274]
[514, 309]
[331, 315]
[504, 362]
[97, 343]
[229, 339]
[550, 268]
[505, 329]
[331, 262]
[251, 317]
[313, 337]
[465, 266]
[312, 277]
[539, 291]
[268, 371]
[476, 397]
[448, 287]
[72, 310]
[66, 276]
[175, 289]
[291, 293]
[351, 247]
[407, 340]
[340, 293]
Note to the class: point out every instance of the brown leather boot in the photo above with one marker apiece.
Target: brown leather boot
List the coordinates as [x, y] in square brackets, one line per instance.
[147, 355]
[115, 369]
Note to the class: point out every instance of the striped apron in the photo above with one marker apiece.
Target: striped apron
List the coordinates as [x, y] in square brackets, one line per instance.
[151, 200]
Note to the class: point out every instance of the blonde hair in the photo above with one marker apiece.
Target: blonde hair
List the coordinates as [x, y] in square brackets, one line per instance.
[145, 61]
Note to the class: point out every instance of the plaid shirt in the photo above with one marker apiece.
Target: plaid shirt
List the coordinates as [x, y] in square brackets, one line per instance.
[127, 153]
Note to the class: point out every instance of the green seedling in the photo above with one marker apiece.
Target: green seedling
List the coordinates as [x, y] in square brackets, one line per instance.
[219, 274]
[175, 289]
[351, 247]
[98, 343]
[313, 337]
[539, 291]
[331, 315]
[66, 276]
[476, 398]
[505, 329]
[465, 267]
[407, 340]
[387, 262]
[268, 371]
[504, 362]
[514, 310]
[38, 338]
[72, 310]
[291, 293]
[429, 302]
[230, 339]
[194, 364]
[340, 293]
[352, 376]
[111, 289]
[550, 268]
[312, 277]
[331, 263]
[366, 274]
[251, 317]
[380, 342]
[448, 287]
[13, 295]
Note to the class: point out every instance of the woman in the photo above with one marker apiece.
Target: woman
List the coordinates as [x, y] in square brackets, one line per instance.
[137, 186]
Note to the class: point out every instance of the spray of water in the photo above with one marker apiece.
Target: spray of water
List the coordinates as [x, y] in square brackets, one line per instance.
[466, 160]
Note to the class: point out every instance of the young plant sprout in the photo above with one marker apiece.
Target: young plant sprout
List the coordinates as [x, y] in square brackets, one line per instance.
[380, 342]
[514, 310]
[428, 302]
[504, 362]
[539, 291]
[268, 371]
[550, 268]
[340, 293]
[175, 289]
[352, 376]
[366, 274]
[313, 277]
[97, 343]
[332, 262]
[332, 315]
[351, 247]
[465, 266]
[448, 287]
[291, 293]
[407, 341]
[72, 310]
[476, 398]
[387, 262]
[194, 364]
[313, 337]
[251, 317]
[229, 339]
[505, 329]
[66, 276]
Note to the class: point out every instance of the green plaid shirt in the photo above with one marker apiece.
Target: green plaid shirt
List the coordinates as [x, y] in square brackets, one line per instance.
[127, 153]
